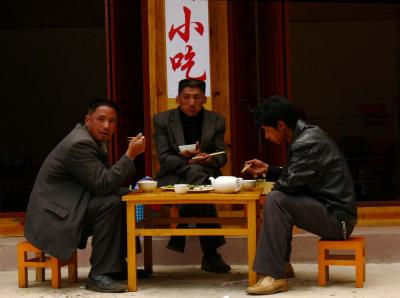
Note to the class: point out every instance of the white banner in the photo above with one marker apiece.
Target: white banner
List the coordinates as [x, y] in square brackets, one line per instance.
[187, 43]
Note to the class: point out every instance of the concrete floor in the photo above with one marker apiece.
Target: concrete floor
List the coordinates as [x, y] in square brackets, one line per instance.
[383, 280]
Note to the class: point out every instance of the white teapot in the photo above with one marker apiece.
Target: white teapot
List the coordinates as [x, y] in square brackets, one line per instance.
[226, 184]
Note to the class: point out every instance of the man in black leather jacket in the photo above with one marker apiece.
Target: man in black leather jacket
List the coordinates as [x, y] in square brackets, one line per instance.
[314, 191]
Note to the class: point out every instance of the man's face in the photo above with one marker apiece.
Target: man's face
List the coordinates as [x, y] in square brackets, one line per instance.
[191, 100]
[101, 123]
[275, 135]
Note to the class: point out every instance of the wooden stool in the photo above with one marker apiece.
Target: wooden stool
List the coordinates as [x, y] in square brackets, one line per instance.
[41, 262]
[325, 259]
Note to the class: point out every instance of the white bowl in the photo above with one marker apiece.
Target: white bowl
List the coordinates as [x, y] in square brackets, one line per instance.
[187, 147]
[147, 185]
[248, 184]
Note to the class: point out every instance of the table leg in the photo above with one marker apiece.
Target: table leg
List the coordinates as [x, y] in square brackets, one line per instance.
[258, 220]
[251, 239]
[147, 243]
[131, 240]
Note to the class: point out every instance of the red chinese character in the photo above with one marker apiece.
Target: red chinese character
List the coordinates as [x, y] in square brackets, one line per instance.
[176, 62]
[185, 33]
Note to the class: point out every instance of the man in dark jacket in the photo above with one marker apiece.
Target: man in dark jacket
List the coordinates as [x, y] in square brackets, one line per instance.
[77, 194]
[313, 190]
[188, 124]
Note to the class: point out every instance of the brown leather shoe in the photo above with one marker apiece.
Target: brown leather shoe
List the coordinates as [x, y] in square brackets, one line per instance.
[268, 285]
[289, 272]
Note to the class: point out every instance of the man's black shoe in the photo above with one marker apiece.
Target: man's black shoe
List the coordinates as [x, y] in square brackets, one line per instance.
[215, 264]
[105, 284]
[140, 274]
[176, 243]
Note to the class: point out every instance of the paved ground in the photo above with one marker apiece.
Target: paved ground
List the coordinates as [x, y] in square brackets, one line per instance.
[383, 280]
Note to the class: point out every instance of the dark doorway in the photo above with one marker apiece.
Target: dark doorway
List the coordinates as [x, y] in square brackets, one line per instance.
[55, 58]
[53, 61]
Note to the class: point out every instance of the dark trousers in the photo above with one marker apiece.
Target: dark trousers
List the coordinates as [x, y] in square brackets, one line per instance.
[208, 244]
[105, 220]
[281, 212]
[195, 174]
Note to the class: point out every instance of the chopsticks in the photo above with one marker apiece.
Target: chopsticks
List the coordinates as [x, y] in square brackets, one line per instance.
[211, 154]
[246, 166]
[134, 138]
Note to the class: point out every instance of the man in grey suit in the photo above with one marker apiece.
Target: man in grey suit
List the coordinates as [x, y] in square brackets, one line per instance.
[190, 123]
[77, 194]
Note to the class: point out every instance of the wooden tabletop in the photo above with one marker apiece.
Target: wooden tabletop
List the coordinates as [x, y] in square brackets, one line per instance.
[165, 196]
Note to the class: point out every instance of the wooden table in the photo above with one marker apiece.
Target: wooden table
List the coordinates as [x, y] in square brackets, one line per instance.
[250, 220]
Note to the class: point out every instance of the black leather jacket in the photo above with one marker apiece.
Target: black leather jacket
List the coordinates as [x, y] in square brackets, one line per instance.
[315, 167]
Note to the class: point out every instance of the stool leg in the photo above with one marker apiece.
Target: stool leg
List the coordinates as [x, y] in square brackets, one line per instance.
[359, 267]
[40, 271]
[55, 273]
[22, 269]
[73, 269]
[364, 272]
[364, 261]
[323, 270]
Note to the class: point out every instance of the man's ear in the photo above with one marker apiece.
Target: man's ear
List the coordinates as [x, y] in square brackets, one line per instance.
[86, 119]
[281, 126]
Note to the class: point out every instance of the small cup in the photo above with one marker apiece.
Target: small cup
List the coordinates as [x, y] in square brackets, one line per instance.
[181, 188]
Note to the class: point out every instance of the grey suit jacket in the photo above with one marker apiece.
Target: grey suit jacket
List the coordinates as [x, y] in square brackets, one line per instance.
[168, 135]
[75, 171]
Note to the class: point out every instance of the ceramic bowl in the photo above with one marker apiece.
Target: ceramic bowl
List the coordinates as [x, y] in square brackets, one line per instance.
[187, 147]
[248, 184]
[147, 185]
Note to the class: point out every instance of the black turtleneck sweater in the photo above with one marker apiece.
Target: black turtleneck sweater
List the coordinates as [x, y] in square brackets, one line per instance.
[192, 127]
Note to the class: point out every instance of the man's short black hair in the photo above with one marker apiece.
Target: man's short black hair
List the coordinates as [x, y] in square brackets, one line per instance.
[99, 102]
[273, 109]
[192, 83]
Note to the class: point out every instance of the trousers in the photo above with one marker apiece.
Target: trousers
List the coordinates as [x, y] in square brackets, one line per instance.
[194, 174]
[208, 244]
[105, 221]
[281, 212]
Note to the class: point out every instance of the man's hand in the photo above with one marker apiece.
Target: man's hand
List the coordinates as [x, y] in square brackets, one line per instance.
[256, 167]
[189, 153]
[136, 146]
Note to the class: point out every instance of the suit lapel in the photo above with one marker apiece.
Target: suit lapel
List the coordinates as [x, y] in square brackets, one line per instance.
[175, 124]
[208, 130]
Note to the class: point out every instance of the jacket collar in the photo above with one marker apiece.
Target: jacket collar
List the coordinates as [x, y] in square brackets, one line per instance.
[206, 134]
[300, 127]
[176, 127]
